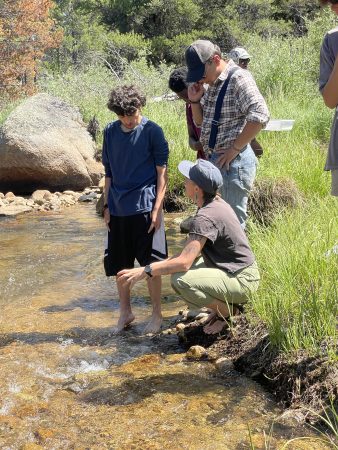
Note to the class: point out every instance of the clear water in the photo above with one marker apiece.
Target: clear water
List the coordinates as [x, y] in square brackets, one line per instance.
[67, 384]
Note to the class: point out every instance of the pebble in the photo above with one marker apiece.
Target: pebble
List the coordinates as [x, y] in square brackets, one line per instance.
[196, 352]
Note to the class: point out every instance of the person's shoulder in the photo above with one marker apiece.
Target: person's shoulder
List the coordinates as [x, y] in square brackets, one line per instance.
[243, 75]
[333, 32]
[111, 126]
[150, 124]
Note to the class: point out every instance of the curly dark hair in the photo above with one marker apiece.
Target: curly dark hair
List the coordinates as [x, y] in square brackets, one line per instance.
[126, 100]
[177, 79]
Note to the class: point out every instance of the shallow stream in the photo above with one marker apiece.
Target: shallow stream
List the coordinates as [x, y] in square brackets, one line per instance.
[67, 384]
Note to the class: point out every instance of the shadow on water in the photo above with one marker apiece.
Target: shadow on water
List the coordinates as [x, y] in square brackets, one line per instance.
[139, 389]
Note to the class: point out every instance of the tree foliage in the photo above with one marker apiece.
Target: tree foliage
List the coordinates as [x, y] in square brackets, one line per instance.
[26, 32]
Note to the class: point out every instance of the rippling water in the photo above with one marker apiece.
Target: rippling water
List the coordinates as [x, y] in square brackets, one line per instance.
[67, 384]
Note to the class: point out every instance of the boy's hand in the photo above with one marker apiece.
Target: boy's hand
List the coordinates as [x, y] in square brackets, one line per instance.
[106, 217]
[155, 220]
[128, 277]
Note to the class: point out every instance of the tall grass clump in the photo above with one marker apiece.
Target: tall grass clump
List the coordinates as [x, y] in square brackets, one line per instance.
[298, 297]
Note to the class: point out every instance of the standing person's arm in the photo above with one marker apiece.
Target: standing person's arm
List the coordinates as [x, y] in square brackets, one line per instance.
[250, 102]
[162, 180]
[194, 142]
[249, 132]
[160, 151]
[108, 178]
[106, 213]
[330, 90]
[195, 93]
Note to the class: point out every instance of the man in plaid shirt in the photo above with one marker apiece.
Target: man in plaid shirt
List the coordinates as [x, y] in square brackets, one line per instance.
[243, 114]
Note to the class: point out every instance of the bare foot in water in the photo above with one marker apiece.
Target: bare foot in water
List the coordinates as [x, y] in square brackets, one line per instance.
[154, 325]
[123, 322]
[216, 326]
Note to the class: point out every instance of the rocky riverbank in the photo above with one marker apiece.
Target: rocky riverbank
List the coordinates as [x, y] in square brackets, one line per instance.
[44, 200]
[306, 384]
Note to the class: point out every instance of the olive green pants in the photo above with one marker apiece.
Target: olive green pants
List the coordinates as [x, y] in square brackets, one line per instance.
[201, 285]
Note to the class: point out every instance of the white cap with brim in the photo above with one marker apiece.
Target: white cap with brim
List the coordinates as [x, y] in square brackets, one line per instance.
[238, 53]
[207, 176]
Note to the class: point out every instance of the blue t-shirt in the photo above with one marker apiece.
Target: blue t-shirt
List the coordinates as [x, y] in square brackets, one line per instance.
[130, 160]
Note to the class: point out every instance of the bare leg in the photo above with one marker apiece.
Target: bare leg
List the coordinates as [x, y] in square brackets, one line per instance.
[154, 286]
[220, 311]
[126, 315]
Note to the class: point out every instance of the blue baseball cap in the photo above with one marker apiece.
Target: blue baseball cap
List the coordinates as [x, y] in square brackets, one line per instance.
[207, 176]
[196, 56]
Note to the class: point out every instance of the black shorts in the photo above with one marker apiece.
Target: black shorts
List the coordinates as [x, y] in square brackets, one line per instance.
[128, 239]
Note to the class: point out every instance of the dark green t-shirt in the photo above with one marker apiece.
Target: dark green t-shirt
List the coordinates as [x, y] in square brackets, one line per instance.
[227, 246]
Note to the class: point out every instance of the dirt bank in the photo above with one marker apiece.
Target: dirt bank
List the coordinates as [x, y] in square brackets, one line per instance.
[299, 380]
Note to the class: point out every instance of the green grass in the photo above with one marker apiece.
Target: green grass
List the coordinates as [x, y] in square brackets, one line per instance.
[297, 299]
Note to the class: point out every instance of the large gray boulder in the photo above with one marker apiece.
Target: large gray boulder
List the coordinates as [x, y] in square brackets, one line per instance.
[44, 144]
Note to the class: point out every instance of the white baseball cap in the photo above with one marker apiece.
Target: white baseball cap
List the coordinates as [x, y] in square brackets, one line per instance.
[238, 53]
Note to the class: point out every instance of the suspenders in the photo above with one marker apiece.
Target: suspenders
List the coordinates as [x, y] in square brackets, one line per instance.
[218, 107]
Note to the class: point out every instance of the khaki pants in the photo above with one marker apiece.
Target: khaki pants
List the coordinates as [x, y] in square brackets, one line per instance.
[201, 285]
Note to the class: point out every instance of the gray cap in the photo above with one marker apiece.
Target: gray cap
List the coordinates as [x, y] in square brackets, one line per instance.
[196, 55]
[238, 53]
[207, 176]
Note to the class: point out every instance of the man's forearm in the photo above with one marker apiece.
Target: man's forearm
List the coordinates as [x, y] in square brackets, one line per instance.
[107, 184]
[197, 113]
[248, 133]
[162, 180]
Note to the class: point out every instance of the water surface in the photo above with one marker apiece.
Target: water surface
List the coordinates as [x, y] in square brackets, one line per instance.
[67, 384]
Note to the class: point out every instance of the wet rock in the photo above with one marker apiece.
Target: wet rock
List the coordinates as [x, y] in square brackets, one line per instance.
[74, 387]
[88, 197]
[224, 364]
[196, 352]
[14, 210]
[20, 201]
[192, 314]
[180, 327]
[40, 196]
[99, 205]
[44, 433]
[291, 418]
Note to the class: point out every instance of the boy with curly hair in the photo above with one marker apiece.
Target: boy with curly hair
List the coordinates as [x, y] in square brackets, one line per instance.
[135, 156]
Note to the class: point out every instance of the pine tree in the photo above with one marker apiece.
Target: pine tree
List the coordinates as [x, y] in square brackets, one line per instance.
[26, 32]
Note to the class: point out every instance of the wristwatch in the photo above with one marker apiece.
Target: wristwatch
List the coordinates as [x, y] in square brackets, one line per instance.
[148, 270]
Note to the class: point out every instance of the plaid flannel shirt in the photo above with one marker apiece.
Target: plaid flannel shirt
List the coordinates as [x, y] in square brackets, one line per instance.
[242, 103]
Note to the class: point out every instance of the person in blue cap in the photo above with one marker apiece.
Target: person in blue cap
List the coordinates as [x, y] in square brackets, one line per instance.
[216, 268]
[243, 113]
